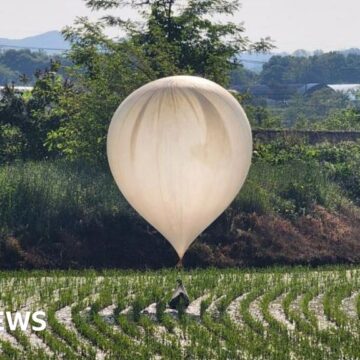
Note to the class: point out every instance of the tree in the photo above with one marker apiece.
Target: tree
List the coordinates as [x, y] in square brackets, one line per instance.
[12, 143]
[260, 117]
[44, 109]
[27, 118]
[342, 119]
[176, 40]
[243, 77]
[328, 68]
[306, 111]
[6, 74]
[19, 65]
[175, 37]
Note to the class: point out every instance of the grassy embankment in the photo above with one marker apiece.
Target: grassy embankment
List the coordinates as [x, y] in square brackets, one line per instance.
[299, 205]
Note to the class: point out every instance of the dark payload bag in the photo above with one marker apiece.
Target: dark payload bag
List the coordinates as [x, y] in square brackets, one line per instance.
[180, 297]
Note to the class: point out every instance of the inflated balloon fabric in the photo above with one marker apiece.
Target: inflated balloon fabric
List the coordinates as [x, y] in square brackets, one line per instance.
[180, 149]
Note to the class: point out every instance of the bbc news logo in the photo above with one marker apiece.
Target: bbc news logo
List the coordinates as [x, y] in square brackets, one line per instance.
[22, 320]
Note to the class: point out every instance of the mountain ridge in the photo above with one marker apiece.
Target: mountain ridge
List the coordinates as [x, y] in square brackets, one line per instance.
[51, 40]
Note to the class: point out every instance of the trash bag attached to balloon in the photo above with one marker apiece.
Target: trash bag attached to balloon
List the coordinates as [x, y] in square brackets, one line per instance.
[179, 149]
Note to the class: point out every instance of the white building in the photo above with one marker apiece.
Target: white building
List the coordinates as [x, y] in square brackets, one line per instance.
[18, 89]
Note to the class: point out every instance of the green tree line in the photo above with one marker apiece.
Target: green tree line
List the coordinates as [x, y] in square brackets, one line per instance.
[21, 66]
[328, 68]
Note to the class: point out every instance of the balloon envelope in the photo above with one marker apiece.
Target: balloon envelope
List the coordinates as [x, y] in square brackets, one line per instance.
[180, 149]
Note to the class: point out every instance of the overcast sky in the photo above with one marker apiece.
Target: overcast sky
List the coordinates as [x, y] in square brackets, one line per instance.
[294, 24]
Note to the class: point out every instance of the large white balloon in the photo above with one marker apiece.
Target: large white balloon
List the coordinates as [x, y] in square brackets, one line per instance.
[180, 149]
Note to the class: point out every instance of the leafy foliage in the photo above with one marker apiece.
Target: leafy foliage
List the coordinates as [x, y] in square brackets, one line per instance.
[174, 38]
[328, 68]
[20, 66]
[26, 119]
[340, 119]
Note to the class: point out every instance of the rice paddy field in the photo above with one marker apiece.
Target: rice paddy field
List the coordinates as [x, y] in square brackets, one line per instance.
[276, 313]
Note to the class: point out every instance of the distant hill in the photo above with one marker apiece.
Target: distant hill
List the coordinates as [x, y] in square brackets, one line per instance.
[254, 62]
[55, 40]
[354, 51]
[52, 40]
[22, 57]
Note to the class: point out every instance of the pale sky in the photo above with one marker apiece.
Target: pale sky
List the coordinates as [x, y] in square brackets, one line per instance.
[294, 24]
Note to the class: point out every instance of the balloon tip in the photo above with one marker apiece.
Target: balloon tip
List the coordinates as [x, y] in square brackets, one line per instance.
[179, 264]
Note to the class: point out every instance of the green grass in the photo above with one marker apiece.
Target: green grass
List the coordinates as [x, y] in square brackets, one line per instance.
[211, 336]
[71, 214]
[40, 198]
[50, 195]
[290, 189]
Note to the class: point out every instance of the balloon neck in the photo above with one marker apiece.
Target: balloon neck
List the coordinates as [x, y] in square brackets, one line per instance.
[179, 264]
